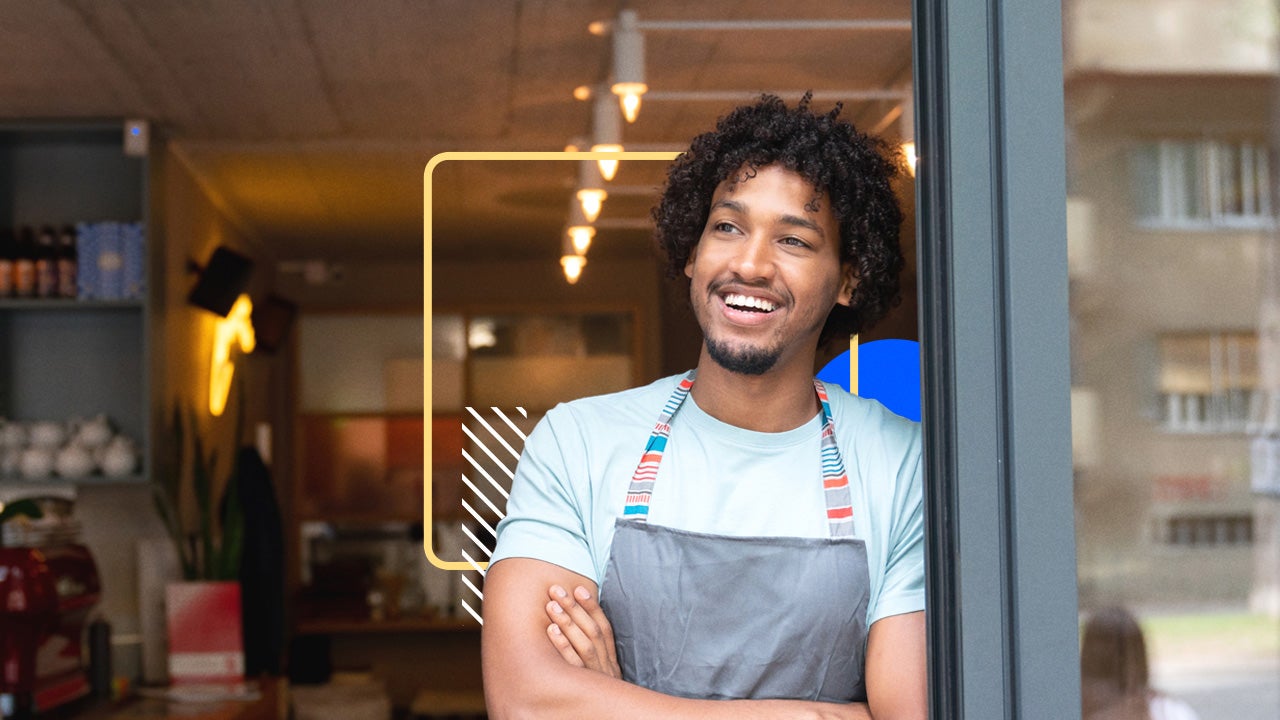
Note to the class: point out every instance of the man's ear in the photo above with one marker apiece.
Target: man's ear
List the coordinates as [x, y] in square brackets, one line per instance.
[688, 264]
[848, 283]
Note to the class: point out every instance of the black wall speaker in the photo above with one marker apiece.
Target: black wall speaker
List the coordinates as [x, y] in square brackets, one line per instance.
[221, 281]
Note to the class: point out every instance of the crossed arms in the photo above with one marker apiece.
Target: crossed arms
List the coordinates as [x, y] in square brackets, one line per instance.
[528, 672]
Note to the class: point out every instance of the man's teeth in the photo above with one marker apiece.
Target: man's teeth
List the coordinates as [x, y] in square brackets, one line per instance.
[748, 302]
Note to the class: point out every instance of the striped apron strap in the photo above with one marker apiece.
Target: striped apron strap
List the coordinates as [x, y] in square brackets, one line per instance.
[835, 481]
[641, 488]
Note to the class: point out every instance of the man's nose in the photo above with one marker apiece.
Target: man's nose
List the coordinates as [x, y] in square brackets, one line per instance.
[754, 258]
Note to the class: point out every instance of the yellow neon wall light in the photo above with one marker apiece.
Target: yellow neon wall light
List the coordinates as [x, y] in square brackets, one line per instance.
[236, 328]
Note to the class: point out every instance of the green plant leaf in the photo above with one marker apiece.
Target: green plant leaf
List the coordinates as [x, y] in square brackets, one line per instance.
[204, 503]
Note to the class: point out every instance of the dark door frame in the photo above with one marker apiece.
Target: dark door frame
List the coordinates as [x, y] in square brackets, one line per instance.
[994, 329]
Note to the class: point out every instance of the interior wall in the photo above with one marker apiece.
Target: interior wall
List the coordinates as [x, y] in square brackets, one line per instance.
[450, 660]
[396, 287]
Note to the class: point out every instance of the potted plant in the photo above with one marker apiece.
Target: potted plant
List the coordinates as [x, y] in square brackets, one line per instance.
[203, 611]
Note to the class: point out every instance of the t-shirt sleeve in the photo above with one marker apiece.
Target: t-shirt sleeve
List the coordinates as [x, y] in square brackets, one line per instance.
[544, 518]
[902, 588]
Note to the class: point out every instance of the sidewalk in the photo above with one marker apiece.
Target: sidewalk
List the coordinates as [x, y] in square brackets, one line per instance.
[1225, 665]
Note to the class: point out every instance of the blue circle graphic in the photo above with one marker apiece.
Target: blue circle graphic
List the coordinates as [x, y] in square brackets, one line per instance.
[888, 371]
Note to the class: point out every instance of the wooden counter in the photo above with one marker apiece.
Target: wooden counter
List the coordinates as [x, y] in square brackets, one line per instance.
[272, 703]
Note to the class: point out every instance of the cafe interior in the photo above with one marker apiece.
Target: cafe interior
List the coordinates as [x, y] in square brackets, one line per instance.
[329, 264]
[257, 176]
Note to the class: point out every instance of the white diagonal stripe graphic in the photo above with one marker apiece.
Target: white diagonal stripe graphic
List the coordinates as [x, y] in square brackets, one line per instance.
[510, 424]
[513, 447]
[486, 500]
[492, 432]
[474, 564]
[467, 531]
[467, 431]
[479, 519]
[486, 475]
[467, 581]
[473, 612]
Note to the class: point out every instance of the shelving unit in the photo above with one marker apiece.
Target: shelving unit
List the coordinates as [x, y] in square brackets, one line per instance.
[64, 358]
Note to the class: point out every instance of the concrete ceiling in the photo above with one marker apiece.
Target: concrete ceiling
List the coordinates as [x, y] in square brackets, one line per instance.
[311, 121]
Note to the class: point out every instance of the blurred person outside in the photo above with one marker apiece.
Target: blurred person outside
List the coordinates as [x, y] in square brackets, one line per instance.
[1115, 682]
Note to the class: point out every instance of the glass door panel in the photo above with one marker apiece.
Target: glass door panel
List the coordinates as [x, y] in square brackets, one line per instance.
[1175, 344]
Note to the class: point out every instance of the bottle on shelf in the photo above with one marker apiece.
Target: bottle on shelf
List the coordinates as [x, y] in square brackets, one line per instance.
[47, 264]
[67, 260]
[24, 264]
[6, 262]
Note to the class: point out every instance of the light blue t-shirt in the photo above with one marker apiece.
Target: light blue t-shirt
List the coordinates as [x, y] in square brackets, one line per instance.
[571, 484]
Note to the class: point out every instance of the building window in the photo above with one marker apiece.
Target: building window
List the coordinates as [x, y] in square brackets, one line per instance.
[1203, 184]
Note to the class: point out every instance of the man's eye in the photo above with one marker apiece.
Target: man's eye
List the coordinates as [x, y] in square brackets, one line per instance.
[794, 241]
[725, 227]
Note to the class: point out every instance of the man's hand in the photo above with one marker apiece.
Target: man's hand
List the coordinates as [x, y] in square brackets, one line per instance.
[580, 631]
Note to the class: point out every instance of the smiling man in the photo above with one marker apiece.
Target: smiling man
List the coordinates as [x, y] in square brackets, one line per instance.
[740, 541]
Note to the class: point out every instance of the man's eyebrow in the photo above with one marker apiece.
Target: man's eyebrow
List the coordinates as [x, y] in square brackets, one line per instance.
[733, 205]
[804, 223]
[793, 220]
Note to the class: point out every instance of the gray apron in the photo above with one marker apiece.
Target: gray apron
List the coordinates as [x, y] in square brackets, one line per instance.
[710, 616]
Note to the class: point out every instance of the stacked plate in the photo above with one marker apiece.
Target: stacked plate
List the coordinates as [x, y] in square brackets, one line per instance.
[25, 533]
[57, 527]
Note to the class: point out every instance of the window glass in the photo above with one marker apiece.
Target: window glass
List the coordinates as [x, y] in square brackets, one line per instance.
[1175, 287]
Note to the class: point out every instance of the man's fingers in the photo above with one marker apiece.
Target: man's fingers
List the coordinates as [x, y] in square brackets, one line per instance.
[580, 641]
[585, 621]
[594, 610]
[561, 643]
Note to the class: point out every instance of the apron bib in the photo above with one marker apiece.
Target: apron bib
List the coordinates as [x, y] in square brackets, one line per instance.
[710, 616]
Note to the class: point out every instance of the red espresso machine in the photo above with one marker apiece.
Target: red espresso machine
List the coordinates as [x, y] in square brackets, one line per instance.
[48, 587]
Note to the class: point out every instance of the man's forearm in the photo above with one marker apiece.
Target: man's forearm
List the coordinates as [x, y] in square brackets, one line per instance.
[525, 677]
[580, 693]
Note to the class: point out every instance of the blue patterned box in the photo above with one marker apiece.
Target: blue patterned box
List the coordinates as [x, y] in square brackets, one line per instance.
[110, 261]
[133, 246]
[87, 261]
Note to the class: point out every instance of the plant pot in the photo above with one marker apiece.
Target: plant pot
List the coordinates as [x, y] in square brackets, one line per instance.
[206, 643]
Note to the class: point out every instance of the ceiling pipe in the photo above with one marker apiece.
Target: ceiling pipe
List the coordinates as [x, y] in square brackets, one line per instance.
[601, 27]
[751, 95]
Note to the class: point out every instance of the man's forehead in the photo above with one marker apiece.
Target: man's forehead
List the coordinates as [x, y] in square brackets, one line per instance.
[746, 174]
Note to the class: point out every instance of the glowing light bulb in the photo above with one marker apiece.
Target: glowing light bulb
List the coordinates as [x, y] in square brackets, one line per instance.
[581, 236]
[592, 200]
[909, 151]
[629, 98]
[608, 168]
[573, 265]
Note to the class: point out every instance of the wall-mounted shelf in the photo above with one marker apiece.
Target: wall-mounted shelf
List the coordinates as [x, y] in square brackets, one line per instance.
[69, 305]
[26, 484]
[65, 358]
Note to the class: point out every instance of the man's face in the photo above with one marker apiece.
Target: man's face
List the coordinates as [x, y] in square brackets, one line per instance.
[766, 272]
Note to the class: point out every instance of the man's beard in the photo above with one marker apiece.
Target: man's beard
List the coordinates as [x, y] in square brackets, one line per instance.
[744, 361]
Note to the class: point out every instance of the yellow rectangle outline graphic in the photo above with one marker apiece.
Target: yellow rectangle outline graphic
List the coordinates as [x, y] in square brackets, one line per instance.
[428, 529]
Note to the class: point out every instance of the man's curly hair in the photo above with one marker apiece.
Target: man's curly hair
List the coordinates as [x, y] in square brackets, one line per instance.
[853, 169]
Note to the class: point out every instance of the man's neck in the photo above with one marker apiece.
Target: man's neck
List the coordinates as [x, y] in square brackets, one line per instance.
[776, 401]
